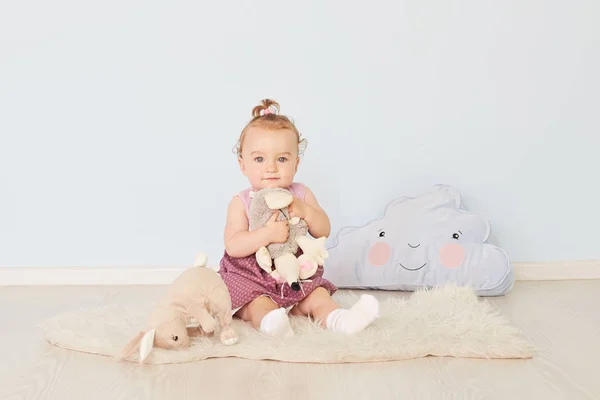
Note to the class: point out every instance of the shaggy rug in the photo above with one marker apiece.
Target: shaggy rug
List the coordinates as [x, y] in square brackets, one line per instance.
[447, 321]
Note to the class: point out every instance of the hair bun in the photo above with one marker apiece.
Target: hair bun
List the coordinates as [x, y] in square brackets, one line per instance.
[266, 107]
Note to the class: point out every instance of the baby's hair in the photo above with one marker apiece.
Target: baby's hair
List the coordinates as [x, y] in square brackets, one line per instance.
[266, 115]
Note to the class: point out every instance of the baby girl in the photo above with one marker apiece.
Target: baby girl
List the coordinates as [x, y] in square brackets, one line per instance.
[268, 153]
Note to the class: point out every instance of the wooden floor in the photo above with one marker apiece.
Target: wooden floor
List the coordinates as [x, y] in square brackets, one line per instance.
[562, 318]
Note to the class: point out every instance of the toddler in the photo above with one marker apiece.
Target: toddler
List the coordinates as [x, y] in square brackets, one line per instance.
[268, 153]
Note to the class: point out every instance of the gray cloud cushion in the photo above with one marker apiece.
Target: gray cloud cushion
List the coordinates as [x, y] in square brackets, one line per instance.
[420, 242]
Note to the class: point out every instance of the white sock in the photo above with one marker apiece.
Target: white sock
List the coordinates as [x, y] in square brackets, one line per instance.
[357, 318]
[277, 323]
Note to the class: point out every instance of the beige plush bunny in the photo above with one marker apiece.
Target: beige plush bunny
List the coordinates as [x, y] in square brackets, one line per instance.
[288, 268]
[197, 294]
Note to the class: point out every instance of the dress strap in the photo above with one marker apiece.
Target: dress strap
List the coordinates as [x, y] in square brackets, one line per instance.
[245, 197]
[298, 190]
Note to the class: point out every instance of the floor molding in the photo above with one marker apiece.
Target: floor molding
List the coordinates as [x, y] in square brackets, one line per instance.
[557, 270]
[60, 276]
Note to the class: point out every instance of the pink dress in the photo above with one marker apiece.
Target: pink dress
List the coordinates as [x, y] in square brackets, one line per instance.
[246, 280]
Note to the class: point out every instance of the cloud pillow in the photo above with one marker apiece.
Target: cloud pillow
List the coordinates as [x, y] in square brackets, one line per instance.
[419, 242]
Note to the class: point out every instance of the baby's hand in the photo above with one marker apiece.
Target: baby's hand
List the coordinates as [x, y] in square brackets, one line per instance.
[279, 231]
[298, 208]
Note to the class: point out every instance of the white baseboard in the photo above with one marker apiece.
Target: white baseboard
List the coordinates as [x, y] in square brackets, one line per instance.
[557, 270]
[59, 276]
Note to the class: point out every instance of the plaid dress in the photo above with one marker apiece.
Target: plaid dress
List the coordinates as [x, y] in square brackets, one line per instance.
[246, 280]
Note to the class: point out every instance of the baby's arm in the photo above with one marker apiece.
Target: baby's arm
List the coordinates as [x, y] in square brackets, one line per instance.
[239, 242]
[316, 218]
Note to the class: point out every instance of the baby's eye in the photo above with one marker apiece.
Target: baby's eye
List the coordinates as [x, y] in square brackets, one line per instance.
[259, 159]
[382, 234]
[282, 159]
[174, 337]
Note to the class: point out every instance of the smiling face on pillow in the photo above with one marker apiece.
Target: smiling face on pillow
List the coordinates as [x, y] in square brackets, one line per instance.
[420, 242]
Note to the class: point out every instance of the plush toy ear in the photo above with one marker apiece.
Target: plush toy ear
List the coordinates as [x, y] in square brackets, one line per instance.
[313, 248]
[201, 260]
[132, 346]
[146, 344]
[278, 200]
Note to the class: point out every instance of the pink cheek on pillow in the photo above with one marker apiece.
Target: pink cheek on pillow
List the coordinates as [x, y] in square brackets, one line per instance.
[452, 255]
[379, 254]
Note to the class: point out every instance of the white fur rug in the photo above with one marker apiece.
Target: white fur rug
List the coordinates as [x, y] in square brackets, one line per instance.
[448, 321]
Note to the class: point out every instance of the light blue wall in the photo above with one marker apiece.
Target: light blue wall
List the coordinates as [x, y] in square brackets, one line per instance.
[117, 119]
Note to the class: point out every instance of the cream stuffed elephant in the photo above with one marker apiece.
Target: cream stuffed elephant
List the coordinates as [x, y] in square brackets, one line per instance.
[288, 267]
[197, 294]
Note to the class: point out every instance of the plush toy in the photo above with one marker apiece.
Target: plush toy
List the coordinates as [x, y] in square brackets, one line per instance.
[198, 293]
[288, 267]
[425, 241]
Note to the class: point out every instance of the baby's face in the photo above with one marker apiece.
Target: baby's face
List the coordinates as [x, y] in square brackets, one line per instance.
[269, 157]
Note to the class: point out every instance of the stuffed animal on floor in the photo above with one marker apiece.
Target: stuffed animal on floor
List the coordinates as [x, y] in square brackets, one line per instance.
[198, 293]
[288, 267]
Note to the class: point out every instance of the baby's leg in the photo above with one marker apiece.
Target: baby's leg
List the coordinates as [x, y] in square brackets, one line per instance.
[265, 315]
[323, 308]
[318, 304]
